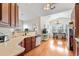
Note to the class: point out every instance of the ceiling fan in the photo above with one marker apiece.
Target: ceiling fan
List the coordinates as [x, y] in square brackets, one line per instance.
[49, 6]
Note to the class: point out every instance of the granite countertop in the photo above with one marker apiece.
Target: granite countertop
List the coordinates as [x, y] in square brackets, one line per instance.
[11, 47]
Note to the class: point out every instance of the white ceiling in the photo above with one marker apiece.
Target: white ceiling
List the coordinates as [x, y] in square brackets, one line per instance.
[31, 10]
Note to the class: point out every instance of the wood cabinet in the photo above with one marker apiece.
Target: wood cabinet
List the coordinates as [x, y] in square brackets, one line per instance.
[17, 15]
[9, 14]
[14, 15]
[0, 11]
[77, 20]
[5, 15]
[78, 49]
[13, 19]
[28, 43]
[74, 47]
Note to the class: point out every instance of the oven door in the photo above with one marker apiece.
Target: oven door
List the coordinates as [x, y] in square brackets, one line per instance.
[2, 38]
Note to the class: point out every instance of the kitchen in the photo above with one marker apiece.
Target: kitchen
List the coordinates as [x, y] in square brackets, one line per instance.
[23, 28]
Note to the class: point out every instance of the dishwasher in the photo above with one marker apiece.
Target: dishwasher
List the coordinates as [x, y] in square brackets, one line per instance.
[38, 40]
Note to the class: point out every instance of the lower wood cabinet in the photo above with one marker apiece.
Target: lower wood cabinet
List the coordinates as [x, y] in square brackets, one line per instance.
[74, 47]
[77, 48]
[77, 51]
[28, 43]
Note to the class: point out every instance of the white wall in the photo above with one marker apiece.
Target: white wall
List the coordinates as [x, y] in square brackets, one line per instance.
[31, 23]
[46, 19]
[20, 25]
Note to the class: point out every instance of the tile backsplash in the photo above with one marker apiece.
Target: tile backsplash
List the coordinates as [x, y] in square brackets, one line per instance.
[6, 31]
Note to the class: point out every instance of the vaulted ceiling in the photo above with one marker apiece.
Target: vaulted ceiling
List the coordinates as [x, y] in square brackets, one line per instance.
[31, 10]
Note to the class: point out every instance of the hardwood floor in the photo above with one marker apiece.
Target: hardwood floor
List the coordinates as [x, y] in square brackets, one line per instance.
[51, 47]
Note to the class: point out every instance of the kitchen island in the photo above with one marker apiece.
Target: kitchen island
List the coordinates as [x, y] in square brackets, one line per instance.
[12, 47]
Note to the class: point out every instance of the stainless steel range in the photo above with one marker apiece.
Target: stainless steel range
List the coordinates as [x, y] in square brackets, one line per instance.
[3, 37]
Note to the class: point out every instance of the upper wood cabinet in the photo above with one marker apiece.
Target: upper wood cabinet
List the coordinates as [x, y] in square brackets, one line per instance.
[5, 14]
[14, 15]
[13, 20]
[17, 15]
[0, 11]
[9, 14]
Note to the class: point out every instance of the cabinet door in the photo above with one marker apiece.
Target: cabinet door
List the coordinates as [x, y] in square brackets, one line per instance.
[77, 20]
[27, 44]
[6, 14]
[33, 42]
[77, 51]
[74, 47]
[13, 15]
[17, 15]
[0, 11]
